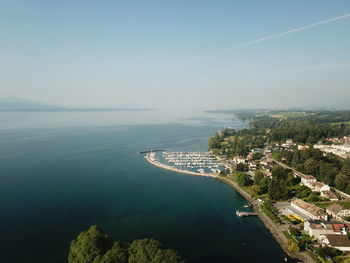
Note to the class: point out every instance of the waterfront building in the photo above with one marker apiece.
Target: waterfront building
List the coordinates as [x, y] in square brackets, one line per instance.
[337, 211]
[310, 210]
[341, 242]
[316, 228]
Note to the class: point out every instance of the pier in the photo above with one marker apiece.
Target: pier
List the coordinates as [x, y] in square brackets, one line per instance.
[245, 213]
[157, 150]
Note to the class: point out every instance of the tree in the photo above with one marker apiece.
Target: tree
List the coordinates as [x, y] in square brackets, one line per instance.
[241, 167]
[257, 177]
[278, 189]
[311, 166]
[279, 172]
[117, 254]
[94, 246]
[88, 245]
[296, 158]
[143, 250]
[244, 179]
[341, 182]
[328, 252]
[167, 256]
[264, 185]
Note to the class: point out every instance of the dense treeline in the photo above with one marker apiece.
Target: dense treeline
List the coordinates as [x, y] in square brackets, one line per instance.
[328, 168]
[231, 142]
[95, 246]
[324, 116]
[308, 129]
[301, 131]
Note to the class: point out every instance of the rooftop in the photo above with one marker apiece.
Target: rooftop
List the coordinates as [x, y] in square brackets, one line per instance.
[310, 208]
[338, 240]
[335, 208]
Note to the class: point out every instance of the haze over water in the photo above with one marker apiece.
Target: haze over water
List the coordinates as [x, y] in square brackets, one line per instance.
[64, 171]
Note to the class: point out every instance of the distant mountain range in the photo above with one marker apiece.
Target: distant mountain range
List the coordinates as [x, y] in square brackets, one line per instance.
[18, 104]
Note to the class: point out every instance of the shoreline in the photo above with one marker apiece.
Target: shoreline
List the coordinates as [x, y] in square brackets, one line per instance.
[271, 226]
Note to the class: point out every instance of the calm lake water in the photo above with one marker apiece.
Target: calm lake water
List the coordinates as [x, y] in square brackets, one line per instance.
[62, 172]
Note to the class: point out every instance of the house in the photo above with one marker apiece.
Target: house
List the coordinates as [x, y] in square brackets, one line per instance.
[341, 242]
[337, 211]
[239, 159]
[267, 168]
[329, 195]
[318, 186]
[302, 147]
[341, 228]
[310, 210]
[253, 166]
[316, 228]
[289, 141]
[256, 150]
[307, 179]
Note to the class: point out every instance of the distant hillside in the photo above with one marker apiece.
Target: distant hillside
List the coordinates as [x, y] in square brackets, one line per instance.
[18, 104]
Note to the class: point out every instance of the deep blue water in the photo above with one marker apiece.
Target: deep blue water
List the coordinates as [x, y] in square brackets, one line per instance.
[57, 181]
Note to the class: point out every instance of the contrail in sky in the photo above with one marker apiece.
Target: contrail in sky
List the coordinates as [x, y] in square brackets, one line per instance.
[298, 29]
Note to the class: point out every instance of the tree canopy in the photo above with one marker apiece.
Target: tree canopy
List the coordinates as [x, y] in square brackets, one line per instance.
[95, 246]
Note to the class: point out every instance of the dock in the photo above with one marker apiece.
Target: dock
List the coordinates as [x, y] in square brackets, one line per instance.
[245, 213]
[157, 150]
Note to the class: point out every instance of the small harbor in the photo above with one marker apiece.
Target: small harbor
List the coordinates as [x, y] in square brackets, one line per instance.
[197, 163]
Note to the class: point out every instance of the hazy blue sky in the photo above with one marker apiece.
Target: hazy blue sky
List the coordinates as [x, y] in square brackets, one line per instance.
[139, 53]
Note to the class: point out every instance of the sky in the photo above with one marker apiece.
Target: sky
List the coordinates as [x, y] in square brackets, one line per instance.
[176, 54]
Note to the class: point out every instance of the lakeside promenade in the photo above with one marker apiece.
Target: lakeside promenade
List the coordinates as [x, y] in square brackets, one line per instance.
[275, 230]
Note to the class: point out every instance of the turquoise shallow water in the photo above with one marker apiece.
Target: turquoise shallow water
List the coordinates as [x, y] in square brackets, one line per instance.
[56, 182]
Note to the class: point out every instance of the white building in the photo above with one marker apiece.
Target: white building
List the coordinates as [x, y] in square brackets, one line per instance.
[330, 195]
[307, 179]
[239, 159]
[310, 210]
[318, 186]
[337, 211]
[341, 242]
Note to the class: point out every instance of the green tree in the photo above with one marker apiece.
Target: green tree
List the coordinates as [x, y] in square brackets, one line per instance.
[264, 185]
[94, 246]
[341, 182]
[88, 245]
[167, 256]
[117, 254]
[257, 177]
[279, 172]
[241, 167]
[244, 179]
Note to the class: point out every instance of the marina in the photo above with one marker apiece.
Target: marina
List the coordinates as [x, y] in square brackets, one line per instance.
[201, 162]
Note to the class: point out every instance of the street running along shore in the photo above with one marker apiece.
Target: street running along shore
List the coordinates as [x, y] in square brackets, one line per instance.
[275, 230]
